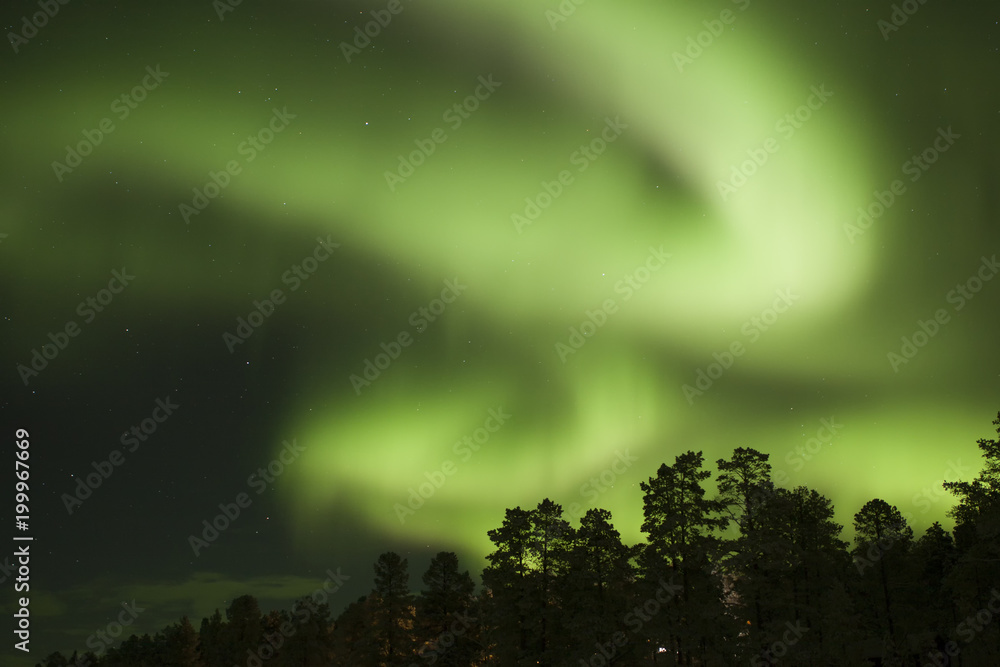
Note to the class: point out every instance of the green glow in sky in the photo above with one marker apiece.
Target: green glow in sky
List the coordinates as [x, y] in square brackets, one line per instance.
[653, 191]
[784, 229]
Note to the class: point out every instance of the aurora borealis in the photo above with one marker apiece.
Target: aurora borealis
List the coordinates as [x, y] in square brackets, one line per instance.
[467, 255]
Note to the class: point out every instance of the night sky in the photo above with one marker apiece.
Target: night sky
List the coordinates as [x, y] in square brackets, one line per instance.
[387, 286]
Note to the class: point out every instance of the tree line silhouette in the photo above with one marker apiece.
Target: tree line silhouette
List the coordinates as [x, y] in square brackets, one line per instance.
[756, 575]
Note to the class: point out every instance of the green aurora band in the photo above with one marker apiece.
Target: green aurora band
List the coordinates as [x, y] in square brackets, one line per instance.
[655, 186]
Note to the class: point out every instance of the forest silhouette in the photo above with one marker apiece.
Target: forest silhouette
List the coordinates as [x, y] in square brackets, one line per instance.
[755, 575]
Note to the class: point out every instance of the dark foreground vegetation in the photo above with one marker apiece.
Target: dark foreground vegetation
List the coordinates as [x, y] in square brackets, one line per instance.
[755, 575]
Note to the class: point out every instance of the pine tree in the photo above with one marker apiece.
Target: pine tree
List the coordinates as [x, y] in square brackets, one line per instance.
[980, 498]
[551, 541]
[977, 516]
[244, 630]
[882, 542]
[392, 611]
[273, 637]
[681, 526]
[507, 597]
[211, 639]
[817, 563]
[133, 652]
[89, 659]
[181, 645]
[745, 486]
[928, 600]
[353, 640]
[310, 642]
[975, 578]
[600, 587]
[446, 629]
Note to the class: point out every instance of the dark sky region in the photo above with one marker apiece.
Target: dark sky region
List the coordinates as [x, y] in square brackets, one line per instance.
[564, 246]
